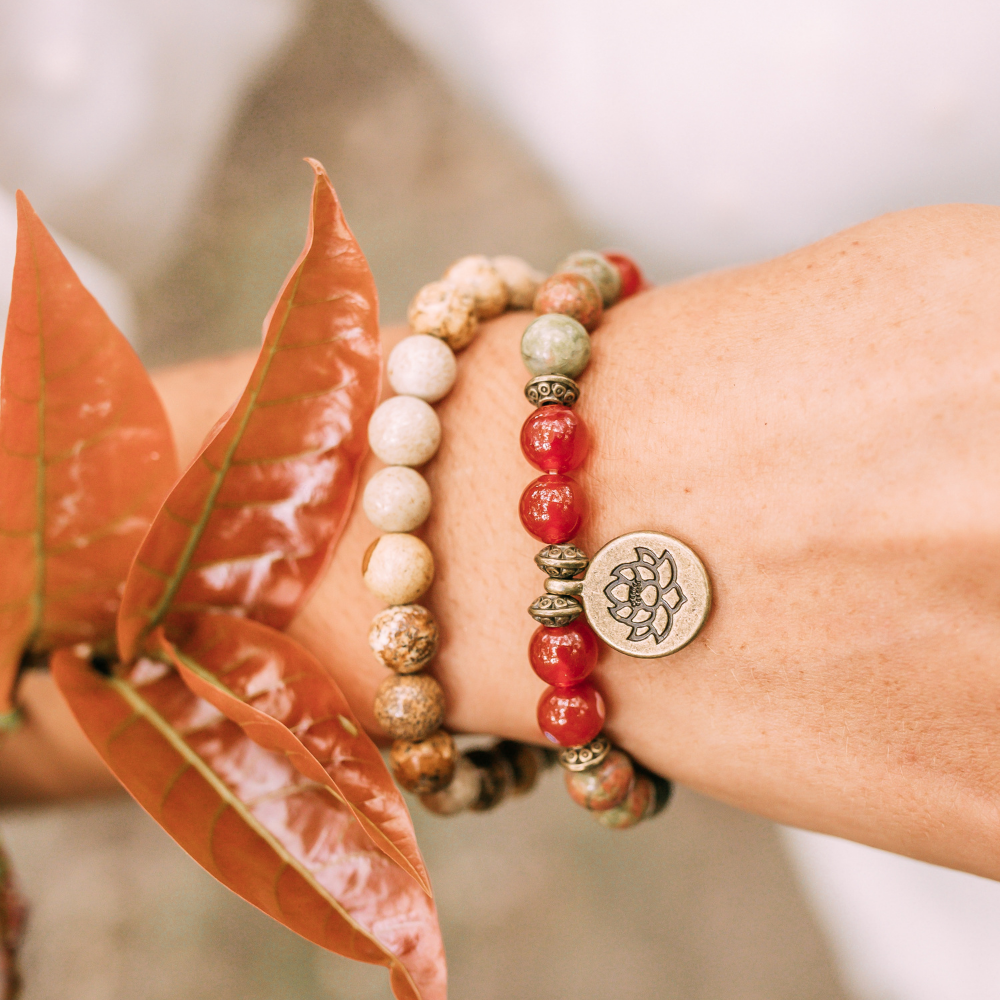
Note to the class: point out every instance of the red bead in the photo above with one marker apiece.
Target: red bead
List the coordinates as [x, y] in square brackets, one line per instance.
[571, 716]
[563, 656]
[554, 439]
[632, 279]
[551, 509]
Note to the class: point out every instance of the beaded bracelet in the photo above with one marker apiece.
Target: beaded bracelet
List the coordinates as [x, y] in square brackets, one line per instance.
[637, 595]
[398, 567]
[649, 605]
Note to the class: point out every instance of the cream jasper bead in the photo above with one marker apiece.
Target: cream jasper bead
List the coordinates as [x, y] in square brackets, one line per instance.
[442, 309]
[397, 499]
[404, 430]
[477, 276]
[398, 568]
[422, 366]
[521, 279]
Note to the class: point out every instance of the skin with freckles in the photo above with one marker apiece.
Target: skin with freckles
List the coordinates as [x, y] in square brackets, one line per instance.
[824, 430]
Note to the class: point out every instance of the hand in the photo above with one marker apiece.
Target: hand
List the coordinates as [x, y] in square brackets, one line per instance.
[824, 429]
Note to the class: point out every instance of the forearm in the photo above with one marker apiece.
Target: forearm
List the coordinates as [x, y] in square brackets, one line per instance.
[822, 430]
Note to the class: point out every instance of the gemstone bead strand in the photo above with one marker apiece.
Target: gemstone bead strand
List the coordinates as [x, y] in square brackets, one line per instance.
[563, 650]
[405, 433]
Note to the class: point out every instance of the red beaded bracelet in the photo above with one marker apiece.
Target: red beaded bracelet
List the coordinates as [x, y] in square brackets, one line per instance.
[645, 593]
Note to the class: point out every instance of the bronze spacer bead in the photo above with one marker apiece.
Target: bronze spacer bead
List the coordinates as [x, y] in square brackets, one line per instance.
[588, 755]
[562, 562]
[544, 390]
[554, 611]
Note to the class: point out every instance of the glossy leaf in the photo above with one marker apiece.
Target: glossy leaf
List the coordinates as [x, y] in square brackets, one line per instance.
[281, 697]
[285, 843]
[86, 458]
[252, 521]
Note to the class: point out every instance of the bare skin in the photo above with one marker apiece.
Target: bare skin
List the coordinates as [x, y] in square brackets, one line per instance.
[823, 430]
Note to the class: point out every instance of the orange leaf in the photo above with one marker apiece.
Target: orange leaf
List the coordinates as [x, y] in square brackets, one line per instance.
[86, 458]
[281, 697]
[252, 521]
[286, 844]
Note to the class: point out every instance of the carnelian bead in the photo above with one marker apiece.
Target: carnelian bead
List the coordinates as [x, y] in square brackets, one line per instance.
[571, 716]
[632, 279]
[551, 509]
[554, 439]
[563, 656]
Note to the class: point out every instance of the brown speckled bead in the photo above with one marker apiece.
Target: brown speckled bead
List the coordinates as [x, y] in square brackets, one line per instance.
[476, 276]
[403, 637]
[572, 295]
[497, 778]
[633, 810]
[463, 790]
[521, 279]
[604, 786]
[424, 766]
[442, 309]
[663, 790]
[527, 763]
[409, 707]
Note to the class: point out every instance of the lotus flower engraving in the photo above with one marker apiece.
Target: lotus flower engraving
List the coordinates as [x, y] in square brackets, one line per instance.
[645, 594]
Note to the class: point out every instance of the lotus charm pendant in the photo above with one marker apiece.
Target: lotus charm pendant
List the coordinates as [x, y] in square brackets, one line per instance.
[646, 594]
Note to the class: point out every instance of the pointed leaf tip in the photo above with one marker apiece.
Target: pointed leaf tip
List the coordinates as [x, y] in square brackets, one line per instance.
[254, 822]
[86, 456]
[251, 524]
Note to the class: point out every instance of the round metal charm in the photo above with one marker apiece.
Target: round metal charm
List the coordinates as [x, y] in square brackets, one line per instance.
[646, 594]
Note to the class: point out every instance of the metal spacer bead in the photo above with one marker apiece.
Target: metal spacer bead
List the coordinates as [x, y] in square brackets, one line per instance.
[554, 611]
[589, 755]
[564, 587]
[545, 389]
[562, 561]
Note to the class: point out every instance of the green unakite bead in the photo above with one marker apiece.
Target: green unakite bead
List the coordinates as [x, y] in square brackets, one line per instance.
[595, 267]
[555, 345]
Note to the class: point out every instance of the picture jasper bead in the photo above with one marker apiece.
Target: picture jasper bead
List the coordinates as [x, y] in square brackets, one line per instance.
[463, 790]
[572, 295]
[555, 345]
[521, 279]
[404, 638]
[497, 778]
[599, 270]
[476, 276]
[398, 568]
[636, 806]
[424, 766]
[604, 786]
[409, 706]
[442, 309]
[526, 762]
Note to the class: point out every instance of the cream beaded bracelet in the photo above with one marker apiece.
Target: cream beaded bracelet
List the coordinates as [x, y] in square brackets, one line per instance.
[398, 568]
[645, 593]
